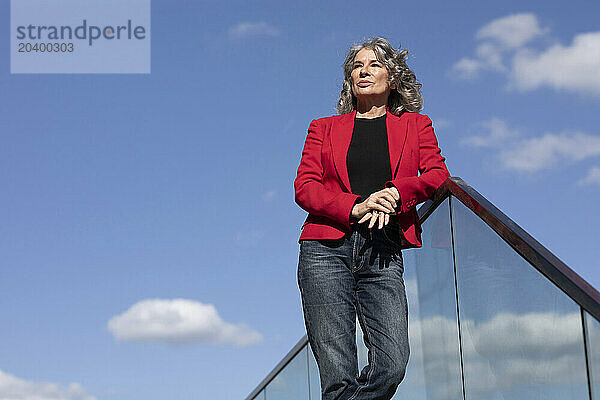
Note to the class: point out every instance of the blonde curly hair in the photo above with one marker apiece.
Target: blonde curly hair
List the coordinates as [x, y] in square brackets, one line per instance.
[406, 96]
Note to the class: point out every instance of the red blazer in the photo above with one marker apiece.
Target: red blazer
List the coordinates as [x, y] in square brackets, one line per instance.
[322, 187]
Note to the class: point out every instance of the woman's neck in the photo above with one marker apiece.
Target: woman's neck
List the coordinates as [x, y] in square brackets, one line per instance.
[371, 112]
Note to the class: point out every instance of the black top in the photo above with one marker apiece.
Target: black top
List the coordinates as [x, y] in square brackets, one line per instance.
[368, 158]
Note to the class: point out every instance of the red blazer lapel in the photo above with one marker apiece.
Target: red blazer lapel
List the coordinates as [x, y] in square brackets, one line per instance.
[397, 131]
[341, 135]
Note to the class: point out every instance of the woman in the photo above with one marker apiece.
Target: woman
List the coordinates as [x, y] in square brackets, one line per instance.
[359, 181]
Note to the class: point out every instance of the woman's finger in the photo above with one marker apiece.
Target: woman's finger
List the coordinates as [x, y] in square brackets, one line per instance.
[387, 219]
[381, 201]
[394, 192]
[365, 217]
[381, 208]
[388, 202]
[391, 207]
[381, 220]
[391, 199]
[374, 217]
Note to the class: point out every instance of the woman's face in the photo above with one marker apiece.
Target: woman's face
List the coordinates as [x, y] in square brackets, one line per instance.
[369, 76]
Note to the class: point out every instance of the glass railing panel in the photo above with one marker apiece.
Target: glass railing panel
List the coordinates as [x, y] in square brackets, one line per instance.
[292, 381]
[313, 375]
[593, 340]
[363, 353]
[522, 337]
[433, 371]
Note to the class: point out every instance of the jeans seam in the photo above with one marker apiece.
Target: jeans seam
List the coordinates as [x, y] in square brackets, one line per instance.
[366, 332]
[360, 259]
[360, 265]
[306, 320]
[353, 261]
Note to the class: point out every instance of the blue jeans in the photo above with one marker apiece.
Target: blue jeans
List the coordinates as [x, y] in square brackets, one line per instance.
[359, 274]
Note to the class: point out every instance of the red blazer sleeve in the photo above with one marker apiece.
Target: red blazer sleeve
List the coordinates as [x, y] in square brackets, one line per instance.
[432, 168]
[310, 192]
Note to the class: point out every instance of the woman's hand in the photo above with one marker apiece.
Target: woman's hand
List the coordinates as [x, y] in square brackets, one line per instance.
[377, 207]
[375, 216]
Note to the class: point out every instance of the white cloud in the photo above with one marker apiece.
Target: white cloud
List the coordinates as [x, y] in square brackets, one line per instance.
[270, 194]
[513, 350]
[544, 152]
[178, 321]
[535, 153]
[575, 67]
[249, 238]
[512, 31]
[533, 333]
[504, 46]
[502, 354]
[495, 39]
[244, 29]
[441, 123]
[467, 68]
[490, 56]
[592, 177]
[499, 134]
[13, 388]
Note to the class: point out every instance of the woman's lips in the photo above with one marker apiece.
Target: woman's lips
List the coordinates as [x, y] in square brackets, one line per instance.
[362, 84]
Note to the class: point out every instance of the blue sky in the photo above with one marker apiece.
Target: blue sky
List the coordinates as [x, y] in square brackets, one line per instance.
[123, 190]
